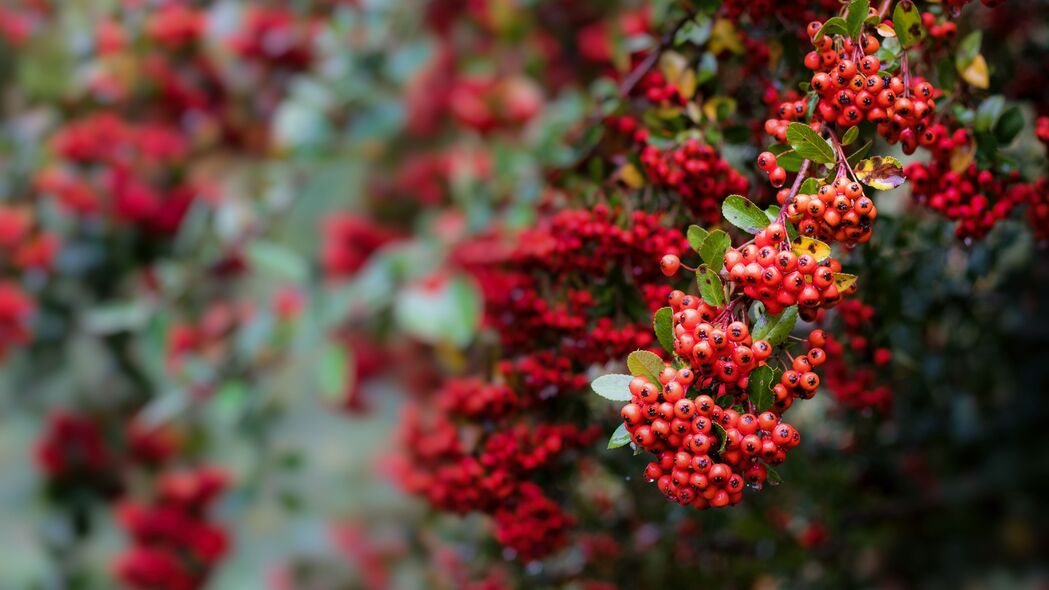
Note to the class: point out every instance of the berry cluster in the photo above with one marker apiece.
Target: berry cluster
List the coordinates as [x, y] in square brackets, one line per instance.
[534, 525]
[838, 212]
[768, 270]
[176, 544]
[696, 173]
[853, 88]
[349, 241]
[16, 309]
[976, 199]
[23, 246]
[697, 466]
[854, 371]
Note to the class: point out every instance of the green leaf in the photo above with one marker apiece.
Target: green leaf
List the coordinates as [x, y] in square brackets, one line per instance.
[643, 363]
[880, 172]
[713, 250]
[725, 401]
[858, 12]
[968, 49]
[277, 261]
[776, 328]
[449, 313]
[809, 145]
[850, 135]
[719, 431]
[620, 438]
[696, 235]
[811, 186]
[710, 287]
[708, 68]
[855, 157]
[663, 324]
[833, 26]
[759, 387]
[786, 157]
[989, 111]
[613, 387]
[334, 372]
[907, 22]
[1009, 125]
[743, 214]
[772, 476]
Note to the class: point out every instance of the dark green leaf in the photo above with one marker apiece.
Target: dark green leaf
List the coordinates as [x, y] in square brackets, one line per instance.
[725, 401]
[1009, 125]
[743, 214]
[759, 387]
[776, 328]
[772, 477]
[809, 145]
[713, 251]
[855, 157]
[719, 432]
[613, 387]
[858, 11]
[620, 438]
[710, 287]
[989, 111]
[663, 324]
[907, 21]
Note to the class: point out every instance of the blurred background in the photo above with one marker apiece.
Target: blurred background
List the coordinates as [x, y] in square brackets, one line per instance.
[308, 294]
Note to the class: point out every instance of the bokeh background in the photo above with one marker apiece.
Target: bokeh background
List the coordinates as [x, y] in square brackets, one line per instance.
[245, 245]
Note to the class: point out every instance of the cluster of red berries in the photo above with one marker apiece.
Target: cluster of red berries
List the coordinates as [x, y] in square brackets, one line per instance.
[1041, 130]
[853, 89]
[441, 465]
[348, 241]
[697, 173]
[533, 525]
[1038, 208]
[838, 212]
[716, 350]
[854, 372]
[175, 543]
[939, 30]
[123, 170]
[659, 91]
[23, 246]
[627, 127]
[976, 199]
[697, 466]
[768, 270]
[471, 397]
[16, 311]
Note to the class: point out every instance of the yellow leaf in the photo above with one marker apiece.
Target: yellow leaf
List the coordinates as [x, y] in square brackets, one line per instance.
[775, 54]
[719, 108]
[724, 36]
[812, 247]
[976, 72]
[880, 172]
[672, 65]
[693, 112]
[885, 30]
[631, 176]
[844, 281]
[962, 156]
